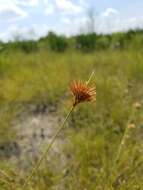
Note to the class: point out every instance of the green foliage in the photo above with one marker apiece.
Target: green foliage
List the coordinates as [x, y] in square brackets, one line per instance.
[25, 46]
[57, 43]
[102, 42]
[119, 40]
[1, 46]
[86, 42]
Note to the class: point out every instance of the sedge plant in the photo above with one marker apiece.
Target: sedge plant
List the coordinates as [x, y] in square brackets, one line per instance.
[81, 92]
[122, 144]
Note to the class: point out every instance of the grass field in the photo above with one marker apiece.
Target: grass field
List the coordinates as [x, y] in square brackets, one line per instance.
[95, 130]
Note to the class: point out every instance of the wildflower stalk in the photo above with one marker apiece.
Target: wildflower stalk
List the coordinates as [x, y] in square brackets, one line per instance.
[122, 145]
[6, 178]
[4, 175]
[36, 167]
[124, 138]
[2, 181]
[43, 156]
[87, 82]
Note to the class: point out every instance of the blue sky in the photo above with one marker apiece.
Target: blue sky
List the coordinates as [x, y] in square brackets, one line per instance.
[34, 18]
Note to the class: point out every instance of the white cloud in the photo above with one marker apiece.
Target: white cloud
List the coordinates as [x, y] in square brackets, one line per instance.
[46, 2]
[65, 20]
[49, 9]
[110, 21]
[103, 24]
[131, 23]
[68, 7]
[27, 2]
[24, 33]
[83, 3]
[9, 11]
[115, 23]
[2, 37]
[78, 23]
[110, 12]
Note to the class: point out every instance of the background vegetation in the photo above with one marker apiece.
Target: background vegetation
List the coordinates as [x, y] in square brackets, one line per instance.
[38, 73]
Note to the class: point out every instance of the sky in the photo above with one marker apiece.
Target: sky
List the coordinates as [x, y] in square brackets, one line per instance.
[31, 19]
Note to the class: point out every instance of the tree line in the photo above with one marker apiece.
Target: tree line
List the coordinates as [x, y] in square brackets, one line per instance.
[82, 42]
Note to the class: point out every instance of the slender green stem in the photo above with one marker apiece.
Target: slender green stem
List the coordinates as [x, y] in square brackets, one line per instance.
[124, 138]
[87, 82]
[5, 175]
[6, 179]
[47, 150]
[122, 144]
[5, 182]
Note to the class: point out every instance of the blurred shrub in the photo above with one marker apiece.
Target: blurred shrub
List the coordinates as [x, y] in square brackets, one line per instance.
[118, 40]
[103, 42]
[1, 46]
[85, 42]
[25, 46]
[57, 43]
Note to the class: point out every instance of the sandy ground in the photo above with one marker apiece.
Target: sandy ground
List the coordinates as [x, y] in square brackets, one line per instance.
[34, 133]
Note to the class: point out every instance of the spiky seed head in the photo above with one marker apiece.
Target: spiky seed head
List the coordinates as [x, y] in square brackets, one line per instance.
[82, 92]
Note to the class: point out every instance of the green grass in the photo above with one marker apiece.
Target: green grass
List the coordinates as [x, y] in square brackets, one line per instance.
[96, 129]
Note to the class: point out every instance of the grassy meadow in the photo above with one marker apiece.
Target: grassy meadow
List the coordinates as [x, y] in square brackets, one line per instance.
[94, 131]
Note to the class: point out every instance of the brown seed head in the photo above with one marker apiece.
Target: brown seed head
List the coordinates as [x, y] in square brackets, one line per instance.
[131, 125]
[137, 105]
[82, 92]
